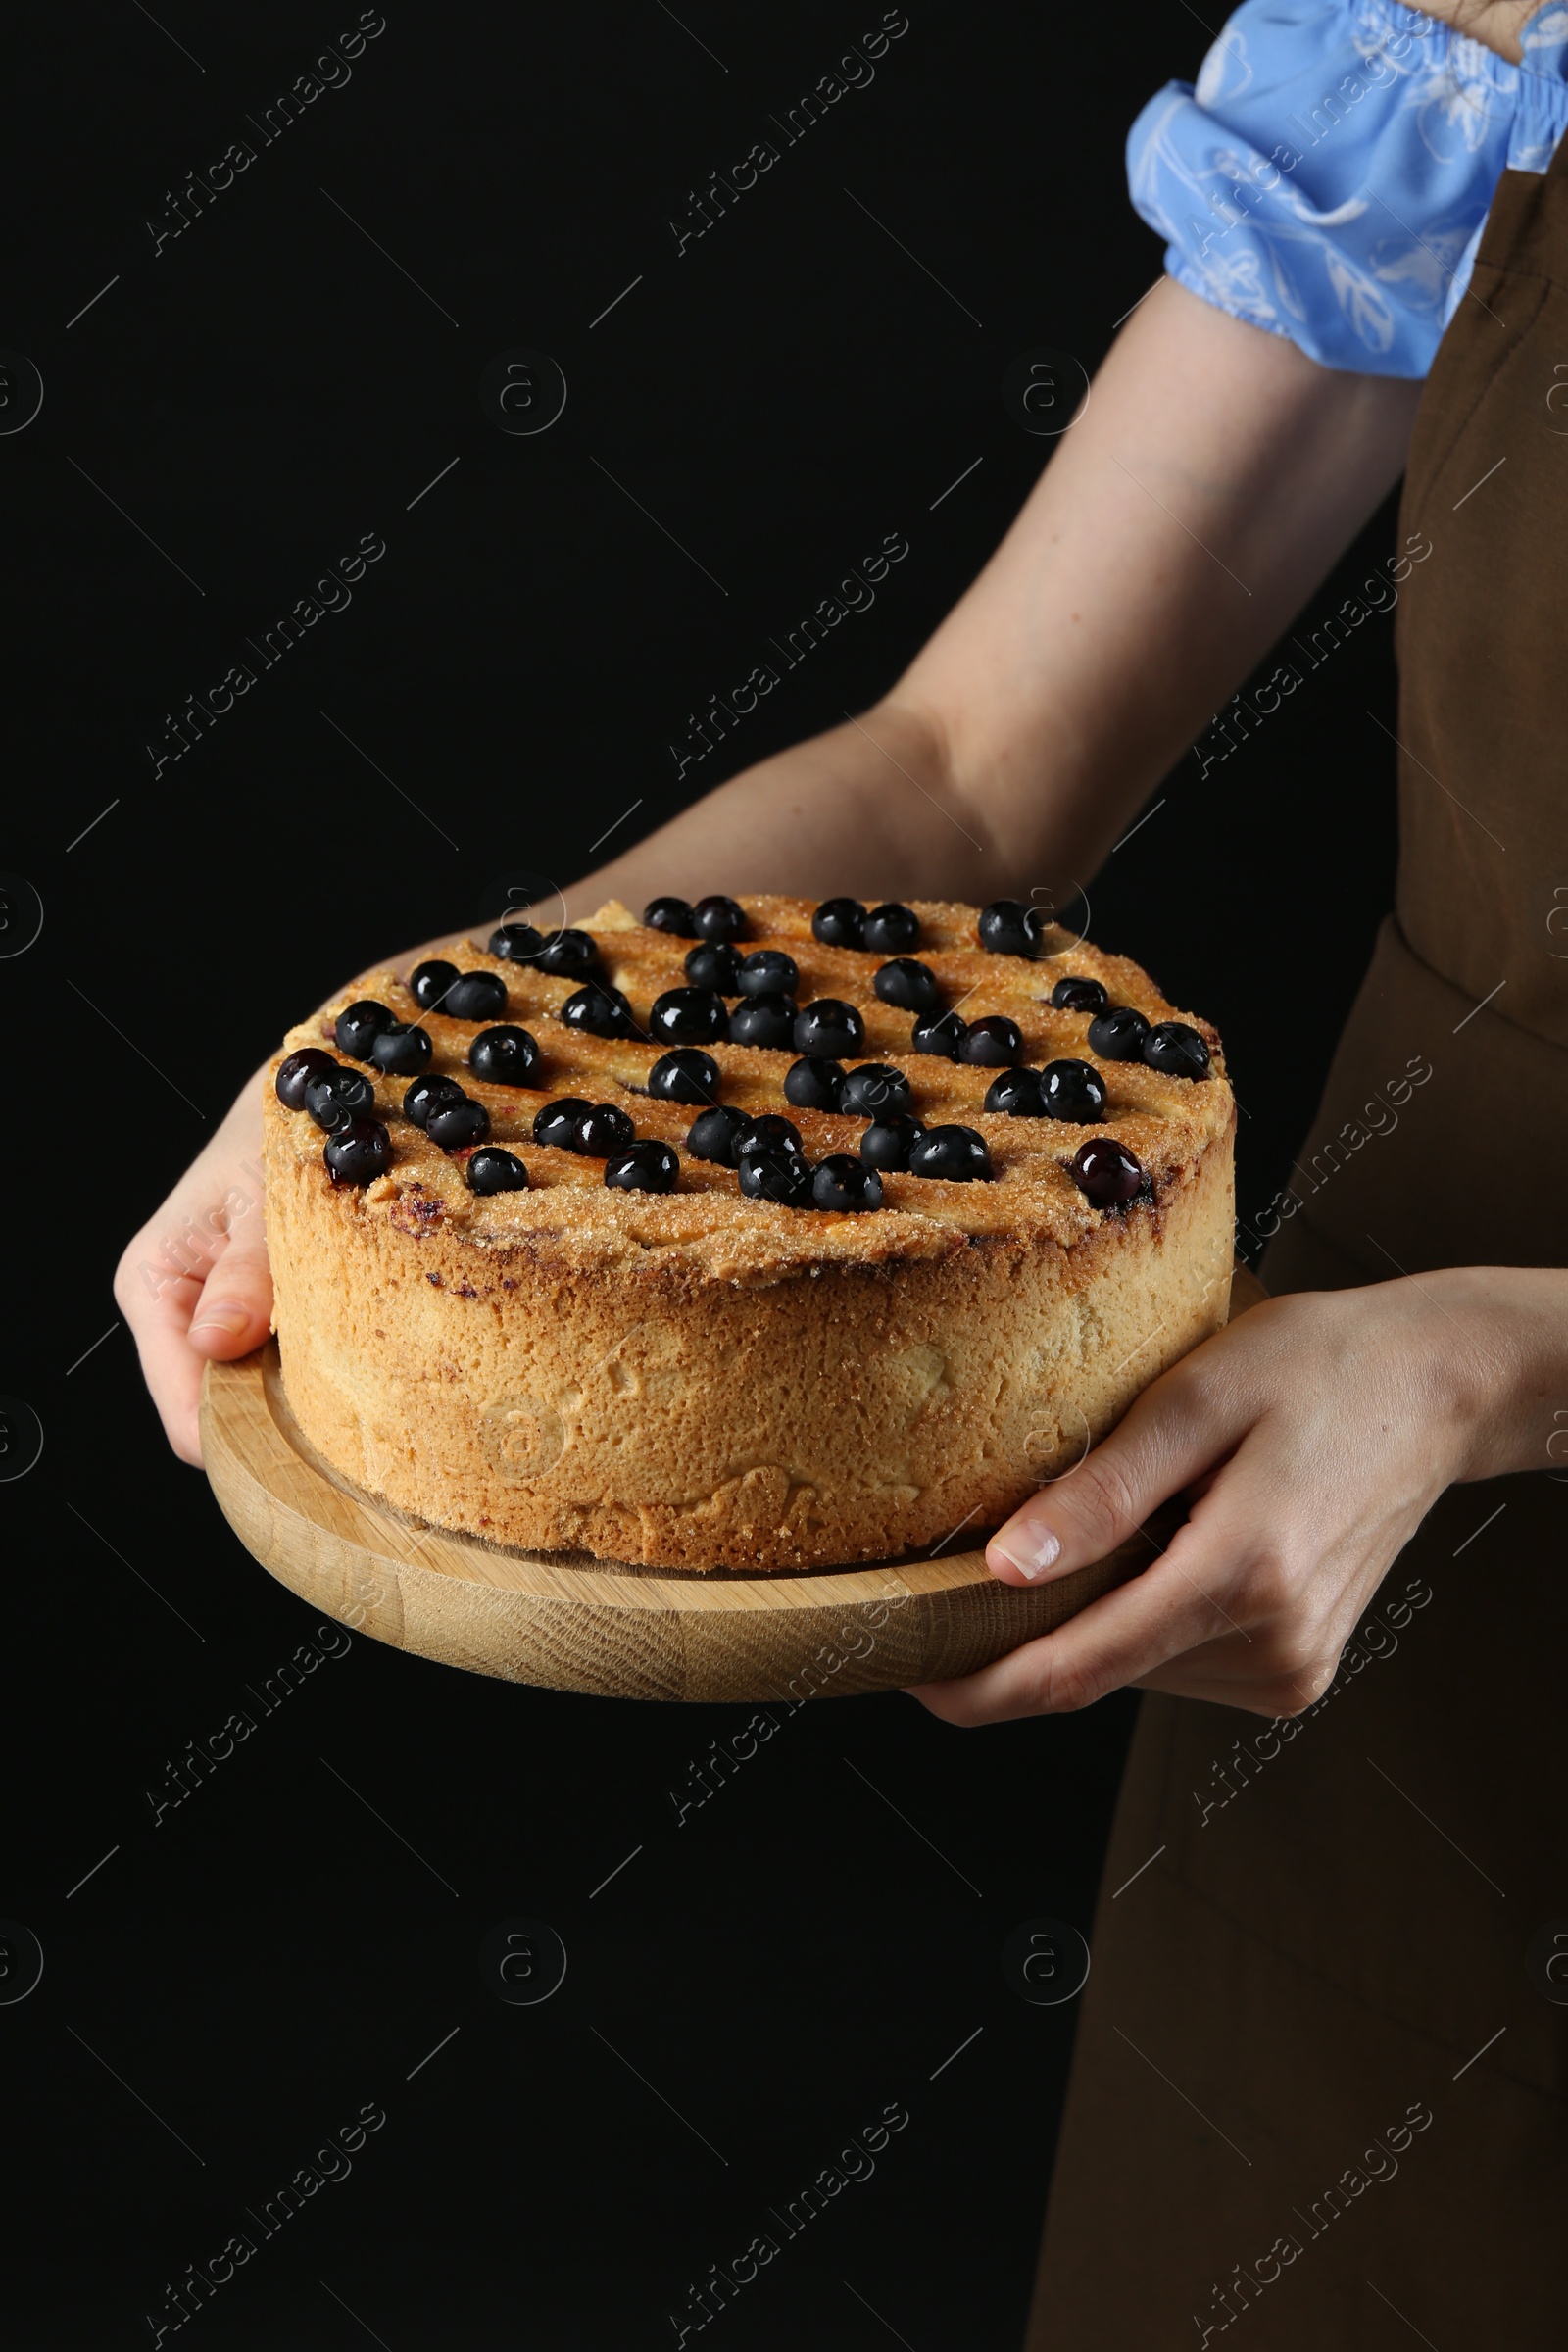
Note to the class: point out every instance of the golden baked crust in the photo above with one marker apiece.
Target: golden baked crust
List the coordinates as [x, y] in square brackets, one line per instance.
[697, 1380]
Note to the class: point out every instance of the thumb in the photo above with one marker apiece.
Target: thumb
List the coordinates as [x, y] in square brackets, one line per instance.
[233, 1313]
[1159, 1447]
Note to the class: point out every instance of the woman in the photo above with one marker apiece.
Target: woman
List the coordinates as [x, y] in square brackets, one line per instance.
[1317, 2069]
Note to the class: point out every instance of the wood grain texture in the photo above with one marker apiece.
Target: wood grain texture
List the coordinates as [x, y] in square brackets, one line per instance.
[616, 1632]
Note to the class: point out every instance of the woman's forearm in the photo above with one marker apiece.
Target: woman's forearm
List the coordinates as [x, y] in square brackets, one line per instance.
[869, 806]
[1503, 1342]
[1213, 479]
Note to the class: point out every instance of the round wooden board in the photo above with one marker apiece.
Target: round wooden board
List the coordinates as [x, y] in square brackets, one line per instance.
[622, 1632]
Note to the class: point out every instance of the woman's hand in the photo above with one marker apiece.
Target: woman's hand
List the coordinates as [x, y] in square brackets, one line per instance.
[1310, 1438]
[194, 1284]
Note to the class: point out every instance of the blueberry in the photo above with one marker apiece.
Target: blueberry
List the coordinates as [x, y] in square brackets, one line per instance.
[782, 1176]
[1017, 1093]
[993, 1041]
[401, 1049]
[890, 929]
[1004, 927]
[912, 985]
[1079, 995]
[684, 1076]
[336, 1095]
[887, 1142]
[939, 1033]
[763, 1021]
[599, 1009]
[570, 954]
[602, 1130]
[875, 1091]
[1073, 1090]
[358, 1153]
[1106, 1171]
[688, 1017]
[712, 1136]
[843, 1181]
[1176, 1048]
[765, 1131]
[813, 1085]
[495, 1171]
[1118, 1035]
[829, 1027]
[557, 1123]
[670, 915]
[428, 984]
[456, 1125]
[714, 965]
[719, 919]
[476, 997]
[515, 943]
[769, 972]
[505, 1057]
[358, 1026]
[426, 1094]
[645, 1168]
[296, 1070]
[959, 1154]
[839, 923]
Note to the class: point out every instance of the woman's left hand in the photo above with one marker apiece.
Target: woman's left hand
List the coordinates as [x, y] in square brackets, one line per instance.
[1310, 1438]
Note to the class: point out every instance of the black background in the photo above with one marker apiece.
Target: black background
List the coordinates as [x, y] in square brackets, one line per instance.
[234, 1984]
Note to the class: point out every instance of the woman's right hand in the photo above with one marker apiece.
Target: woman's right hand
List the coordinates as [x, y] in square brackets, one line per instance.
[194, 1284]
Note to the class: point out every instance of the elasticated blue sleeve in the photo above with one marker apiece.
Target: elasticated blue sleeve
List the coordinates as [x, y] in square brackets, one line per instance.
[1329, 174]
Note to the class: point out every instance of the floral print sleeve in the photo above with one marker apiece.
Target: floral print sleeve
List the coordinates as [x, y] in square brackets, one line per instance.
[1329, 176]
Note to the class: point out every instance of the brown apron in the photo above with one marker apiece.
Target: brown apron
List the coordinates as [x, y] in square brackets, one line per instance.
[1318, 2094]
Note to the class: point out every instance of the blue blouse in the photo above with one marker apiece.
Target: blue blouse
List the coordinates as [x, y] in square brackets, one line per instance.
[1329, 174]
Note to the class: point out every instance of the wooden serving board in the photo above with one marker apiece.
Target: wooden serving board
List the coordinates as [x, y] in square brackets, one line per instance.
[622, 1632]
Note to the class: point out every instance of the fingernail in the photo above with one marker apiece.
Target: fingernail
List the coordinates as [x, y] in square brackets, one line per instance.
[225, 1315]
[1031, 1555]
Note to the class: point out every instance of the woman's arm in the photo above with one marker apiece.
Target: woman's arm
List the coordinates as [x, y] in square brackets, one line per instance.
[1212, 480]
[1496, 24]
